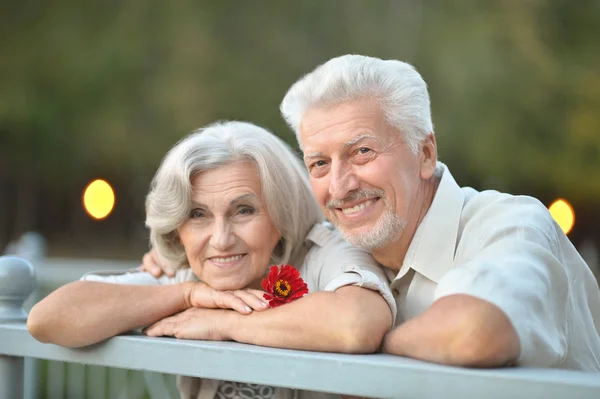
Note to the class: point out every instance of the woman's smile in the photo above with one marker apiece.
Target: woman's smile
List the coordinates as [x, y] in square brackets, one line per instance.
[227, 261]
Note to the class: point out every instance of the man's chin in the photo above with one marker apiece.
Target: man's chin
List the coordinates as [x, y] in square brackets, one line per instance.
[356, 227]
[377, 235]
[363, 238]
[360, 241]
[354, 230]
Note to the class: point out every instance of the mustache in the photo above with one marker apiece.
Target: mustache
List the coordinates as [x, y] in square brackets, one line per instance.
[355, 196]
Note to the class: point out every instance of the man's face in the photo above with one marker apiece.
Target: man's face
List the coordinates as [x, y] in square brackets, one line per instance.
[364, 177]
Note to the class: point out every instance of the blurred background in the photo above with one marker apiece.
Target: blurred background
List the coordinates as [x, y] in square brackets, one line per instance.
[103, 89]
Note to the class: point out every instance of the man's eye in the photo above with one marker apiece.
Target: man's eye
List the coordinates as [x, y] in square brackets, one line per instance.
[319, 164]
[364, 150]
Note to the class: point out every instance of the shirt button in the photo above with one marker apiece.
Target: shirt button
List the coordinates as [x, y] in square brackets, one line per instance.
[395, 292]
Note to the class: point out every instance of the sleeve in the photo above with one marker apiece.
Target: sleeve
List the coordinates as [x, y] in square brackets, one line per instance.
[516, 267]
[137, 277]
[134, 277]
[337, 264]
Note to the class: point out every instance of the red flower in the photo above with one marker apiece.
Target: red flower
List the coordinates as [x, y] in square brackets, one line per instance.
[283, 285]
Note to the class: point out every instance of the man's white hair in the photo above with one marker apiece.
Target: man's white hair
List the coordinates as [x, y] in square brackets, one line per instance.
[396, 85]
[284, 181]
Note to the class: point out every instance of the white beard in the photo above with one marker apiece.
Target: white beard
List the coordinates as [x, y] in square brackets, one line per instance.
[387, 229]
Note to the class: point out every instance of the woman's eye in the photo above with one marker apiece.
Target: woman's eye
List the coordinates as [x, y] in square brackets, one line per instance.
[196, 213]
[246, 210]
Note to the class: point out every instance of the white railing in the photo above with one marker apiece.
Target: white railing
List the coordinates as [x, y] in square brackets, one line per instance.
[363, 375]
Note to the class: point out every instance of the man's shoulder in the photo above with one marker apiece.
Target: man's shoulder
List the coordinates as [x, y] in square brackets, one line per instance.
[502, 209]
[323, 234]
[326, 241]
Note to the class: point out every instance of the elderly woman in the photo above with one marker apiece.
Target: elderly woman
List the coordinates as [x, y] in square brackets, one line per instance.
[227, 202]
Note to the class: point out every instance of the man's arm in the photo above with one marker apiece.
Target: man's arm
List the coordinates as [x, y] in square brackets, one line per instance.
[349, 320]
[458, 330]
[504, 302]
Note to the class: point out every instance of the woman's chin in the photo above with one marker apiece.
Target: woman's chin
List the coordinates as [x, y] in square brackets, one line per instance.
[227, 284]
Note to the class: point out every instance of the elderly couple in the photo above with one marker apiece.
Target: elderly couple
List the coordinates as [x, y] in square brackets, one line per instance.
[416, 266]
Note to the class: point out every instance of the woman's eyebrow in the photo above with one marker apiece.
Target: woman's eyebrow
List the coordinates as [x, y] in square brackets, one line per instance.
[243, 198]
[237, 200]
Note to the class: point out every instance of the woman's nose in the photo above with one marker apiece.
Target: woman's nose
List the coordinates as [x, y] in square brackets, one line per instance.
[222, 236]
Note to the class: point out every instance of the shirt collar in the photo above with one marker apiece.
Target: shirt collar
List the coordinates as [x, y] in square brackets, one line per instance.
[319, 234]
[431, 251]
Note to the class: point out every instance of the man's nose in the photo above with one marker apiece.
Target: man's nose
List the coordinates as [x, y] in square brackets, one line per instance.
[222, 236]
[342, 181]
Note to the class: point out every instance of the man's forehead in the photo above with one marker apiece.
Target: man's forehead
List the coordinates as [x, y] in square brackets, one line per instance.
[344, 116]
[345, 121]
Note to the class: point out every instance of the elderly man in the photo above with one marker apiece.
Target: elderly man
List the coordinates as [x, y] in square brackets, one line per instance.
[480, 278]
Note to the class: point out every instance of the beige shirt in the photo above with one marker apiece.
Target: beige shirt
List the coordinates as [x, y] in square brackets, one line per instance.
[326, 263]
[506, 250]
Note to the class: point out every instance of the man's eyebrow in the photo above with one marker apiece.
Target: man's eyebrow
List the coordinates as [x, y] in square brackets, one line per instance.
[358, 139]
[313, 155]
[347, 144]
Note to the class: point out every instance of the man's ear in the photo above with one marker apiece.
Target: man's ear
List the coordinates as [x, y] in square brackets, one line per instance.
[428, 157]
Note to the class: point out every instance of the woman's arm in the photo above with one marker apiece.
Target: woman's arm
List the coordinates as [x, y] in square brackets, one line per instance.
[349, 320]
[85, 312]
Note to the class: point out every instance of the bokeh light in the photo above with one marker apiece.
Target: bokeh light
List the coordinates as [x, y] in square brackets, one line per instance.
[562, 212]
[98, 199]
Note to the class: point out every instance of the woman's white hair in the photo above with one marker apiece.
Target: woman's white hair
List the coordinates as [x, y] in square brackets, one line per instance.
[396, 85]
[284, 181]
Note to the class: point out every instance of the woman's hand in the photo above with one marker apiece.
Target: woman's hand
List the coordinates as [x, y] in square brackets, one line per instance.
[200, 295]
[193, 323]
[156, 265]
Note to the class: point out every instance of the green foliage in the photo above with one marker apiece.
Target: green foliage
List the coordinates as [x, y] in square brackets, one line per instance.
[107, 88]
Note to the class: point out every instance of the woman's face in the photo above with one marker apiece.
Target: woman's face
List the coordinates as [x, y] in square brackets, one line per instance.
[229, 236]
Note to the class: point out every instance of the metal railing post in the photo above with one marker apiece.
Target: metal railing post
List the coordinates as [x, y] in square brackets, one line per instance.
[17, 281]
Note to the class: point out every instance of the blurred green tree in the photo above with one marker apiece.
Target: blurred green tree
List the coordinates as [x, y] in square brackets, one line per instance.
[103, 89]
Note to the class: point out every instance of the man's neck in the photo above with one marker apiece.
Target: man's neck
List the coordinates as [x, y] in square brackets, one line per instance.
[392, 255]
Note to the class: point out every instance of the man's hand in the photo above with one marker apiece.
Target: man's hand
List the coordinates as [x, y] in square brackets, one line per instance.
[193, 323]
[200, 295]
[156, 265]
